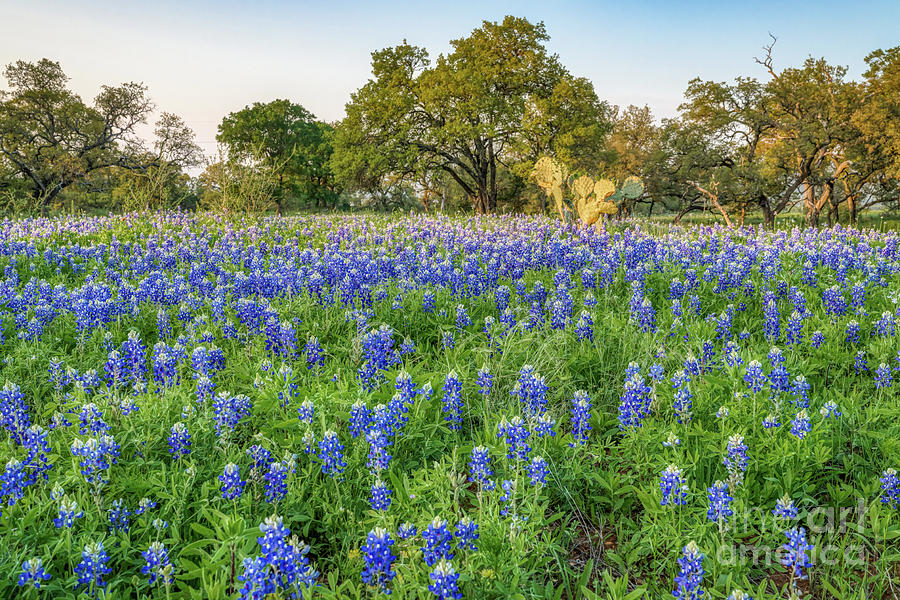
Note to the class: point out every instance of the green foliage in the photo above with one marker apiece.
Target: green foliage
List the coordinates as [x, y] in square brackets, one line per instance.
[289, 144]
[51, 139]
[499, 97]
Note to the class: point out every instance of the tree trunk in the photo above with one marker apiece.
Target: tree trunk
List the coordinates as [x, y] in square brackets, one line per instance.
[812, 208]
[851, 205]
[768, 214]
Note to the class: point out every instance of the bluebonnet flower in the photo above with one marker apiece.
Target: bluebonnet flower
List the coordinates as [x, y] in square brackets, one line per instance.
[452, 403]
[731, 354]
[379, 355]
[276, 482]
[785, 508]
[858, 298]
[890, 485]
[531, 391]
[309, 441]
[428, 299]
[689, 579]
[127, 406]
[159, 525]
[886, 326]
[462, 317]
[360, 418]
[736, 459]
[91, 420]
[33, 572]
[288, 386]
[480, 467]
[722, 413]
[229, 411]
[641, 309]
[305, 412]
[800, 425]
[407, 347]
[444, 582]
[378, 456]
[754, 377]
[379, 559]
[674, 487]
[484, 381]
[447, 340]
[158, 563]
[794, 329]
[92, 568]
[14, 415]
[584, 329]
[119, 517]
[851, 333]
[800, 391]
[314, 356]
[538, 471]
[282, 566]
[163, 327]
[683, 397]
[34, 441]
[719, 503]
[466, 533]
[406, 531]
[691, 366]
[331, 453]
[795, 558]
[581, 416]
[179, 441]
[516, 435]
[14, 481]
[771, 422]
[817, 339]
[232, 486]
[144, 505]
[634, 403]
[438, 542]
[501, 298]
[165, 364]
[739, 595]
[97, 456]
[834, 302]
[883, 377]
[671, 441]
[544, 426]
[68, 512]
[204, 389]
[860, 364]
[381, 496]
[829, 409]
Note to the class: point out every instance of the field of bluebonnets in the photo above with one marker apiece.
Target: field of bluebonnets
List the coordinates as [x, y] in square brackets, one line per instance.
[198, 406]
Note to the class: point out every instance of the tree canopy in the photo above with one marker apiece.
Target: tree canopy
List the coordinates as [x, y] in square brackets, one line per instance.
[295, 147]
[51, 138]
[497, 101]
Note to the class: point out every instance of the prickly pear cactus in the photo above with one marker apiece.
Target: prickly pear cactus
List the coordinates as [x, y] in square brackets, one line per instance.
[582, 188]
[632, 188]
[603, 189]
[550, 174]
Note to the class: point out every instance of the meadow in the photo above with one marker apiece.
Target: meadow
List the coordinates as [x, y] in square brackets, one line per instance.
[346, 406]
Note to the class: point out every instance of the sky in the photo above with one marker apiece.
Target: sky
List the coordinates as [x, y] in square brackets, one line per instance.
[204, 59]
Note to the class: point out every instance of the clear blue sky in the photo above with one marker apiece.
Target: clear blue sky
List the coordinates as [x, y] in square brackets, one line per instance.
[203, 59]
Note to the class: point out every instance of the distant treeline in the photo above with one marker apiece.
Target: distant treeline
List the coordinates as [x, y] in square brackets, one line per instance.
[463, 132]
